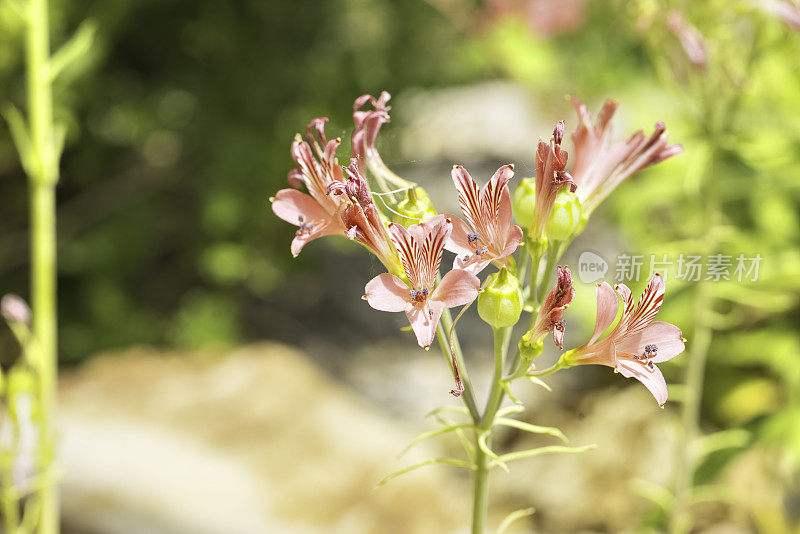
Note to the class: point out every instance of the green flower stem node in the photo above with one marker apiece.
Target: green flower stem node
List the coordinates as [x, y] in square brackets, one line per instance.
[529, 348]
[565, 220]
[500, 303]
[414, 208]
[523, 200]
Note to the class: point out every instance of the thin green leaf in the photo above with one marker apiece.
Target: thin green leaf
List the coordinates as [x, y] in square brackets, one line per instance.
[482, 437]
[447, 461]
[457, 409]
[509, 410]
[465, 441]
[75, 48]
[659, 495]
[507, 388]
[533, 429]
[513, 516]
[530, 453]
[22, 140]
[712, 493]
[432, 433]
[538, 381]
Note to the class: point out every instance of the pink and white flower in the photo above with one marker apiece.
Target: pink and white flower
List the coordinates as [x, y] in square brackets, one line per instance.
[419, 296]
[637, 342]
[600, 165]
[488, 235]
[316, 213]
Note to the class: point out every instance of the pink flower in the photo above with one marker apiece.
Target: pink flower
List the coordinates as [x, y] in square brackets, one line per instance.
[551, 315]
[637, 342]
[316, 213]
[421, 298]
[600, 165]
[360, 216]
[551, 161]
[488, 235]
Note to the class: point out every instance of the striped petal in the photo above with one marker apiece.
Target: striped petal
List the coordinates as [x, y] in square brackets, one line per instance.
[607, 308]
[651, 377]
[492, 193]
[667, 338]
[468, 196]
[648, 305]
[408, 251]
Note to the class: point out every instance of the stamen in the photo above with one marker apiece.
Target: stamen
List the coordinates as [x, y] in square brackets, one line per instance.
[472, 237]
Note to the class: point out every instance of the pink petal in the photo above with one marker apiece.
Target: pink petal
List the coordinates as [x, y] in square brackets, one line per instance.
[607, 308]
[458, 242]
[627, 307]
[468, 196]
[424, 317]
[651, 378]
[456, 288]
[386, 292]
[504, 213]
[513, 240]
[492, 193]
[291, 204]
[667, 337]
[649, 304]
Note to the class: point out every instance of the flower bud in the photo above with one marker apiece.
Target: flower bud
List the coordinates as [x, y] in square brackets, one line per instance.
[530, 348]
[416, 207]
[523, 201]
[565, 219]
[500, 303]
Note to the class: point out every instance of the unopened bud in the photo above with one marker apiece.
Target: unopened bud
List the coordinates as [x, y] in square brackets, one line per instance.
[524, 201]
[500, 303]
[530, 348]
[15, 310]
[565, 219]
[416, 207]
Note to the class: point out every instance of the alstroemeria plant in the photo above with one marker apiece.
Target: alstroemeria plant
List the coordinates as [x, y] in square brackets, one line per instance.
[340, 201]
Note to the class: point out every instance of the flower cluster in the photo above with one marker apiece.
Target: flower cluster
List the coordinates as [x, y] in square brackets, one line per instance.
[553, 206]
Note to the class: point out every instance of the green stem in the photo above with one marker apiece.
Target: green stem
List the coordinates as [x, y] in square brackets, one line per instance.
[43, 242]
[481, 494]
[550, 370]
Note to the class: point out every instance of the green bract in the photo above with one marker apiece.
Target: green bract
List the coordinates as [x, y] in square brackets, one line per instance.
[565, 219]
[500, 304]
[523, 200]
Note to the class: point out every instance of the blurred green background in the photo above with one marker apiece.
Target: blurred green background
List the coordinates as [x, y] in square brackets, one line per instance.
[181, 117]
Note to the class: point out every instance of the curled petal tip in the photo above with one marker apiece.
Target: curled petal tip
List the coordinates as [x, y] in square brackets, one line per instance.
[363, 297]
[684, 339]
[427, 347]
[661, 406]
[271, 199]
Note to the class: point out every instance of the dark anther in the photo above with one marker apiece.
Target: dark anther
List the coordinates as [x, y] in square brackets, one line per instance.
[558, 132]
[472, 237]
[300, 218]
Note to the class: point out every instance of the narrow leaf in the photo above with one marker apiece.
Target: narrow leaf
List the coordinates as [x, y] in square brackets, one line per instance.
[465, 442]
[75, 48]
[507, 388]
[432, 433]
[513, 516]
[530, 453]
[22, 140]
[538, 381]
[448, 461]
[509, 410]
[488, 452]
[457, 409]
[534, 429]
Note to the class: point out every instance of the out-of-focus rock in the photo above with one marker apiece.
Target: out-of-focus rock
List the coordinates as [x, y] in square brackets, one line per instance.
[259, 441]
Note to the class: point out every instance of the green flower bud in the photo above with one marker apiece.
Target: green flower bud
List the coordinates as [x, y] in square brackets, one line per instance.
[530, 348]
[416, 207]
[500, 303]
[565, 220]
[523, 201]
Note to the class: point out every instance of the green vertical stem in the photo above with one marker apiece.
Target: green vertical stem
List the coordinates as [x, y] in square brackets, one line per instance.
[480, 500]
[43, 244]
